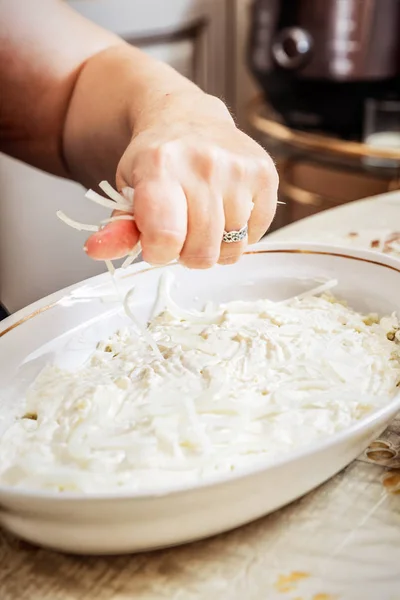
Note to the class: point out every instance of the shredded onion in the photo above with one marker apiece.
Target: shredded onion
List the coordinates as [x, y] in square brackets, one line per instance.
[144, 331]
[110, 267]
[120, 202]
[95, 197]
[320, 289]
[113, 194]
[117, 218]
[75, 224]
[128, 193]
[132, 256]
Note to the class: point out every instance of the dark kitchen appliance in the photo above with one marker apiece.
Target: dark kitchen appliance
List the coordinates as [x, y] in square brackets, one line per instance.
[319, 61]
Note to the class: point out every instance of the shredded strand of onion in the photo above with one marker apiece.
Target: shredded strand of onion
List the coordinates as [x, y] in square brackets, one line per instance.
[117, 218]
[132, 256]
[95, 197]
[111, 192]
[144, 331]
[110, 267]
[165, 301]
[128, 194]
[325, 287]
[120, 202]
[75, 224]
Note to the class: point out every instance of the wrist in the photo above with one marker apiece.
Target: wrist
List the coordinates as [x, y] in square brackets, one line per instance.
[188, 105]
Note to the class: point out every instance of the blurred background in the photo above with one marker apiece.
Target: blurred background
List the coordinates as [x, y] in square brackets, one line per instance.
[317, 82]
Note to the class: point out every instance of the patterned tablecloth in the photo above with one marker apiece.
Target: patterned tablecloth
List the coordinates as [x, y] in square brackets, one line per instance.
[341, 542]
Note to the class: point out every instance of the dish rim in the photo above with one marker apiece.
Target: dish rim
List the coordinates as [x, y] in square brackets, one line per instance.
[381, 414]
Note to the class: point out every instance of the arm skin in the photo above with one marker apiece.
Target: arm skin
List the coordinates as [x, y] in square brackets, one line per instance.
[64, 77]
[79, 102]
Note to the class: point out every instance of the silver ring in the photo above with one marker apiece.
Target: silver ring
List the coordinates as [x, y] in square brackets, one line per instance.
[235, 236]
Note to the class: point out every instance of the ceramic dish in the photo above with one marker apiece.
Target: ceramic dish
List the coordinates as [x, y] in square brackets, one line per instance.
[65, 328]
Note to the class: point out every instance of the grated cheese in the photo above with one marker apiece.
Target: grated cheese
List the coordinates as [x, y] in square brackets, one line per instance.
[239, 383]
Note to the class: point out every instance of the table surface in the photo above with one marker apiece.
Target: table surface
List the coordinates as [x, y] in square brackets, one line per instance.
[340, 542]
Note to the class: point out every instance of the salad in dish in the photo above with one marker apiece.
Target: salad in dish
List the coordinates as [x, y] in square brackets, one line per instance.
[198, 394]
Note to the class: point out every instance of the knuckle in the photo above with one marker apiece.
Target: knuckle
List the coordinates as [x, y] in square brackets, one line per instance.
[170, 148]
[206, 164]
[238, 170]
[267, 173]
[157, 155]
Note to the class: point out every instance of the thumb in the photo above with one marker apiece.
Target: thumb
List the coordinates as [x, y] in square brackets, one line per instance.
[115, 240]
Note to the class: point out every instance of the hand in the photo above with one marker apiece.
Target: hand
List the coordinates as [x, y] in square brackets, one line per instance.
[194, 175]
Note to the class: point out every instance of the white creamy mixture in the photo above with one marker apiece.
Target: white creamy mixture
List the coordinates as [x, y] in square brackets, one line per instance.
[239, 383]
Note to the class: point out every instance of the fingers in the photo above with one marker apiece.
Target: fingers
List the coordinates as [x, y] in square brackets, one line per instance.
[187, 192]
[205, 228]
[160, 209]
[251, 200]
[265, 200]
[114, 241]
[262, 215]
[238, 208]
[171, 223]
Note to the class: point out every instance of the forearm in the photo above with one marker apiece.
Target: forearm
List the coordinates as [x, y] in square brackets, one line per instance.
[43, 47]
[75, 94]
[118, 92]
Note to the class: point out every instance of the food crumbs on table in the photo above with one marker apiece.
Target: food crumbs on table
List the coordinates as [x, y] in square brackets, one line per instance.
[31, 416]
[391, 482]
[287, 583]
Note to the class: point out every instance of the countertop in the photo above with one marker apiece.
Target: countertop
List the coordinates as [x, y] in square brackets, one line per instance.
[340, 542]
